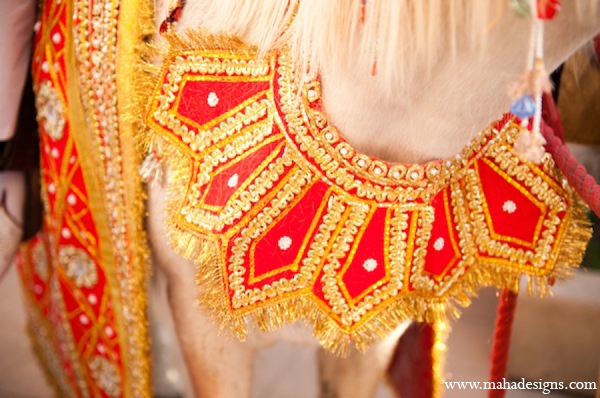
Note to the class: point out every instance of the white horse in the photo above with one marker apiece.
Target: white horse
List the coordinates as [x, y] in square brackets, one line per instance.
[443, 71]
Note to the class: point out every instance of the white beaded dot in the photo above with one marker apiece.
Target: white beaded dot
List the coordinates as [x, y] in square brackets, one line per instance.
[45, 67]
[439, 244]
[284, 243]
[56, 38]
[328, 136]
[101, 348]
[92, 299]
[433, 172]
[509, 207]
[54, 153]
[109, 331]
[344, 151]
[51, 188]
[84, 319]
[212, 99]
[71, 199]
[361, 163]
[370, 264]
[396, 174]
[72, 159]
[377, 171]
[36, 26]
[233, 181]
[414, 175]
[66, 233]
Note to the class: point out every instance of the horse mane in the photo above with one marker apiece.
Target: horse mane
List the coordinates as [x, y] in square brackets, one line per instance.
[395, 34]
[400, 36]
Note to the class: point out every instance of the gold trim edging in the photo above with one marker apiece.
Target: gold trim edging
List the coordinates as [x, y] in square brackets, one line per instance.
[208, 257]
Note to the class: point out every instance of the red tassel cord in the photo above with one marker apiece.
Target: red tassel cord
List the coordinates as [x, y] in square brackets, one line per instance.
[583, 183]
[501, 344]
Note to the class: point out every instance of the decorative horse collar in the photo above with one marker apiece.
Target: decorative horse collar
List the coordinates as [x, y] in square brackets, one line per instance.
[286, 221]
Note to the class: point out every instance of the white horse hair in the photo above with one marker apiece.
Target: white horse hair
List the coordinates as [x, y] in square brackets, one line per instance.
[401, 35]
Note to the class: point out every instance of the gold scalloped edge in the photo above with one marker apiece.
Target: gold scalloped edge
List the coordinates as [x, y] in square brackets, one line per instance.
[335, 338]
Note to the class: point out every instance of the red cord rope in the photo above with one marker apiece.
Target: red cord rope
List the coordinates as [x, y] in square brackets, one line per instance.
[582, 182]
[506, 313]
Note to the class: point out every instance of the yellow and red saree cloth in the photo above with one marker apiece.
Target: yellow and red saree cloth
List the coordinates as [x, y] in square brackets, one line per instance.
[84, 275]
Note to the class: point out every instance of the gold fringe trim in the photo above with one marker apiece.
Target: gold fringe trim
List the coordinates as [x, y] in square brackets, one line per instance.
[206, 254]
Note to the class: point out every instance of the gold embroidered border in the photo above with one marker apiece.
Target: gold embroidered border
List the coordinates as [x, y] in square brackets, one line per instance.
[294, 265]
[551, 201]
[352, 301]
[332, 325]
[292, 188]
[315, 138]
[107, 37]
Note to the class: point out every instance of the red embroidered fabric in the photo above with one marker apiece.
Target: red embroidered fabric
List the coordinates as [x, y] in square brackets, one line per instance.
[300, 225]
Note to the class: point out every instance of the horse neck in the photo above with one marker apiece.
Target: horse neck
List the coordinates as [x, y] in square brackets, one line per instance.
[443, 109]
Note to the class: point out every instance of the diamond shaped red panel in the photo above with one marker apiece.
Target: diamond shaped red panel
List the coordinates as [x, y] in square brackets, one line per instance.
[202, 101]
[443, 253]
[230, 178]
[367, 269]
[277, 252]
[507, 203]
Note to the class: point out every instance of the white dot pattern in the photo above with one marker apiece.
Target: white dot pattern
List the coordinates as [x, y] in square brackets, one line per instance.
[213, 99]
[370, 264]
[509, 207]
[285, 242]
[233, 181]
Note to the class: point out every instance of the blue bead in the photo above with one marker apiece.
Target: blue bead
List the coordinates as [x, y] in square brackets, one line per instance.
[523, 107]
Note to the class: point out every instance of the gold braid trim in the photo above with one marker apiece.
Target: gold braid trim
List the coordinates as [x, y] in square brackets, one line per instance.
[140, 14]
[207, 255]
[151, 53]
